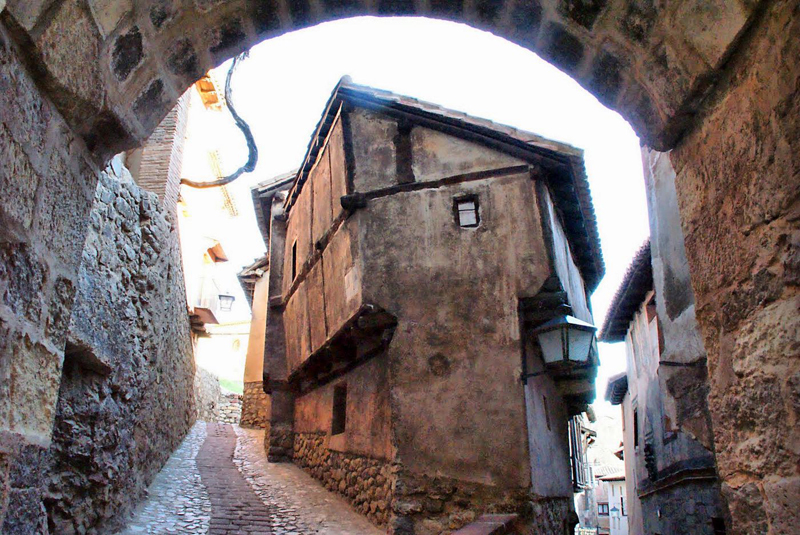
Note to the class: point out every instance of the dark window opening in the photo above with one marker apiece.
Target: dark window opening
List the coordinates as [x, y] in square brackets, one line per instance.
[294, 259]
[718, 525]
[622, 507]
[602, 509]
[467, 212]
[339, 409]
[546, 412]
[635, 428]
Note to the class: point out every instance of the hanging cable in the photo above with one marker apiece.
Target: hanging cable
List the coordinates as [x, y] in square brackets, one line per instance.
[252, 158]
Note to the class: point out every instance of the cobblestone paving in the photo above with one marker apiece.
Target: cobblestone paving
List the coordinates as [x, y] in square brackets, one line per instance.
[235, 508]
[177, 501]
[213, 481]
[297, 502]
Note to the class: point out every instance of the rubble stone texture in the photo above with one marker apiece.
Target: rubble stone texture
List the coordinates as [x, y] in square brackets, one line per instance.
[738, 184]
[125, 398]
[255, 406]
[367, 483]
[716, 81]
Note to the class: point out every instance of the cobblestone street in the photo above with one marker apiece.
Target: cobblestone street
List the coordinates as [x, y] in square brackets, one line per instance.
[218, 482]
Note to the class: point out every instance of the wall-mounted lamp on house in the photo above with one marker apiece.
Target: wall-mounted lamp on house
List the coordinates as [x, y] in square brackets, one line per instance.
[226, 302]
[565, 339]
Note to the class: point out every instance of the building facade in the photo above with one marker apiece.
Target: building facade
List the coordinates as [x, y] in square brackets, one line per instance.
[611, 505]
[411, 257]
[673, 481]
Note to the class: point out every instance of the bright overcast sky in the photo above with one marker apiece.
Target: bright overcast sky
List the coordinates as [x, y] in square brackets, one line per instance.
[282, 87]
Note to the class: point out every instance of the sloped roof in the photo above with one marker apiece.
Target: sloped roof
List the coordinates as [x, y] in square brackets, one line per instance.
[616, 476]
[617, 388]
[250, 275]
[262, 194]
[562, 163]
[637, 282]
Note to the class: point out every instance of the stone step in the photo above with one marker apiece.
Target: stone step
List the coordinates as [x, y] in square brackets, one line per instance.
[494, 524]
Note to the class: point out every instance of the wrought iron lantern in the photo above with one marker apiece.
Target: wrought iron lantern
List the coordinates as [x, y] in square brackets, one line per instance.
[565, 339]
[226, 302]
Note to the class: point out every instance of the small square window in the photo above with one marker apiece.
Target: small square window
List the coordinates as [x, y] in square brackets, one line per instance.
[466, 210]
[602, 509]
[339, 409]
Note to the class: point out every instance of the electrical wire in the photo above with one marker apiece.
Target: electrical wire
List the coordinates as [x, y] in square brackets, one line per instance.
[252, 158]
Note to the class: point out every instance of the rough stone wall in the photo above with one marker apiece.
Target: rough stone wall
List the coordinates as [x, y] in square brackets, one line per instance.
[207, 394]
[255, 406]
[685, 508]
[738, 184]
[432, 505]
[230, 408]
[212, 402]
[47, 180]
[126, 66]
[126, 396]
[365, 482]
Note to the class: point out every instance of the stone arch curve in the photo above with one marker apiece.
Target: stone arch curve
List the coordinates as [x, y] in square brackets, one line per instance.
[715, 79]
[115, 68]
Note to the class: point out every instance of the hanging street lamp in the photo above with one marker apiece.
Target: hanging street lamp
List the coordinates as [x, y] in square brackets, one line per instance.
[566, 339]
[226, 302]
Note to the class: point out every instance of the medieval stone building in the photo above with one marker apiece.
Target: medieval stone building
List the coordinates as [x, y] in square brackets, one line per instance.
[671, 474]
[409, 260]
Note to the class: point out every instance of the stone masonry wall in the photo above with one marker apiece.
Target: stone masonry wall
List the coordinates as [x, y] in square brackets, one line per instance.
[410, 504]
[738, 185]
[669, 510]
[126, 395]
[255, 406]
[429, 505]
[230, 408]
[214, 404]
[365, 482]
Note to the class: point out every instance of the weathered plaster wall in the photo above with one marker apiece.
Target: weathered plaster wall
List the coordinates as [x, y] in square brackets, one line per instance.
[738, 184]
[668, 457]
[126, 391]
[368, 420]
[634, 504]
[455, 357]
[683, 376]
[254, 362]
[548, 440]
[256, 403]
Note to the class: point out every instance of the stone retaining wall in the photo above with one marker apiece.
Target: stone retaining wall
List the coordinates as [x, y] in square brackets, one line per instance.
[255, 406]
[125, 399]
[365, 482]
[426, 505]
[230, 408]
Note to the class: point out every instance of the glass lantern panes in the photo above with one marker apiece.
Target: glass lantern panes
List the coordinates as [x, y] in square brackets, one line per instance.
[566, 339]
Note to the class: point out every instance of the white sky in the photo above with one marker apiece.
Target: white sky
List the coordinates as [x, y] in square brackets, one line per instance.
[282, 88]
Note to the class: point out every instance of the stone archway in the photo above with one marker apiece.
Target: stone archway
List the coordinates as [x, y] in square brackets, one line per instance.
[716, 82]
[654, 64]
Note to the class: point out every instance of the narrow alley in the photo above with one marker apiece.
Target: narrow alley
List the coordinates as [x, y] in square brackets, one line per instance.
[219, 482]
